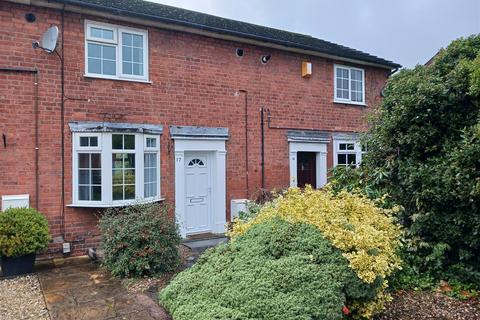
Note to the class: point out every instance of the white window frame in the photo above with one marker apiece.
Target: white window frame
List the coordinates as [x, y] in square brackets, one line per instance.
[349, 100]
[357, 151]
[156, 150]
[105, 149]
[117, 42]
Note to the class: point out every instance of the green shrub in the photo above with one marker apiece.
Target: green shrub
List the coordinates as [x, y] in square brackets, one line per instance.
[22, 231]
[139, 240]
[275, 270]
[423, 152]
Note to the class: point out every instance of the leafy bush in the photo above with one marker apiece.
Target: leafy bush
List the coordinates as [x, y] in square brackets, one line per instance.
[274, 270]
[363, 232]
[423, 152]
[22, 231]
[139, 240]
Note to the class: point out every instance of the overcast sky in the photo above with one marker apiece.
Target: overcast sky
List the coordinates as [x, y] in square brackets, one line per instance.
[408, 32]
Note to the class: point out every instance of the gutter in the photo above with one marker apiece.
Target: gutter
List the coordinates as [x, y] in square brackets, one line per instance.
[193, 28]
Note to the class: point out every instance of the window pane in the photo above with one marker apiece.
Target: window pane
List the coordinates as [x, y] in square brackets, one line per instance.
[137, 40]
[127, 39]
[127, 53]
[83, 141]
[93, 141]
[342, 146]
[107, 34]
[96, 193]
[129, 161]
[137, 69]
[117, 193]
[352, 159]
[95, 157]
[84, 193]
[117, 160]
[117, 141]
[95, 32]
[94, 50]
[84, 176]
[83, 160]
[129, 192]
[109, 68]
[342, 159]
[129, 142]
[117, 177]
[129, 176]
[350, 146]
[109, 52]
[127, 68]
[94, 65]
[137, 55]
[89, 180]
[96, 177]
[151, 142]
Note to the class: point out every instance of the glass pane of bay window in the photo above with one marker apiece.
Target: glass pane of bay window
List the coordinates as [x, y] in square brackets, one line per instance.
[123, 176]
[89, 177]
[150, 175]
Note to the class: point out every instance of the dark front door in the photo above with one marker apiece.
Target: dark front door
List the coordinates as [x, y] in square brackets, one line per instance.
[306, 169]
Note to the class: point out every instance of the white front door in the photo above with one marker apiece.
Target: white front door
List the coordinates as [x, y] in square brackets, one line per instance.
[197, 192]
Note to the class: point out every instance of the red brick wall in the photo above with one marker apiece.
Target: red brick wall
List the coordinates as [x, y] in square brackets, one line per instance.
[194, 80]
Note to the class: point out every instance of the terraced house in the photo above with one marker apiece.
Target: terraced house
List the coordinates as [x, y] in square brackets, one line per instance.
[131, 101]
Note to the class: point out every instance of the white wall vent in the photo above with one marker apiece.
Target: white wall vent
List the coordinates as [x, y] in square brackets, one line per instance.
[237, 205]
[15, 201]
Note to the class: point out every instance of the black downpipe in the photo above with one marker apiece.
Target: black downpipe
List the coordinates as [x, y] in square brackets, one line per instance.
[35, 73]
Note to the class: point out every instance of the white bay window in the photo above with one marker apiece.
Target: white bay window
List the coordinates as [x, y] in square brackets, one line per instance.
[115, 52]
[115, 168]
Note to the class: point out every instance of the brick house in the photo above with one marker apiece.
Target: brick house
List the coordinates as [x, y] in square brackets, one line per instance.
[143, 102]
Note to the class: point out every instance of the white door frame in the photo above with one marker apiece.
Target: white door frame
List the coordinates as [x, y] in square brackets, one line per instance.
[216, 148]
[320, 149]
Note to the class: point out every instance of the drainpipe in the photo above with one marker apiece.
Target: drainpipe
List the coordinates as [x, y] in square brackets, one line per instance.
[35, 73]
[62, 123]
[245, 92]
[262, 130]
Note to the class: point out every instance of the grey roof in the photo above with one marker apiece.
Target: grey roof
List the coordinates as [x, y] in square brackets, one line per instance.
[198, 132]
[308, 136]
[94, 126]
[172, 15]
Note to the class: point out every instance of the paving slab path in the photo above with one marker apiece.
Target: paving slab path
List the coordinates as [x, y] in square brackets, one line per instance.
[85, 292]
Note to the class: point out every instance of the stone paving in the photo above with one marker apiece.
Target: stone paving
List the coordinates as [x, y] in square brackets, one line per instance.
[84, 292]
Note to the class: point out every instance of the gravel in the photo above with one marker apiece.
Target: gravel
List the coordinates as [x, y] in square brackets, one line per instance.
[429, 305]
[21, 298]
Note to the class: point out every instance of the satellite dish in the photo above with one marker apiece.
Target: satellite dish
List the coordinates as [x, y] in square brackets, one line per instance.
[49, 40]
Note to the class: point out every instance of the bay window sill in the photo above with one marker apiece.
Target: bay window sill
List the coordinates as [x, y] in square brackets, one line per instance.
[100, 77]
[114, 205]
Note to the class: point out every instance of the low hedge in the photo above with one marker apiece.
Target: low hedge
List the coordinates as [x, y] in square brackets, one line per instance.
[22, 231]
[139, 240]
[274, 270]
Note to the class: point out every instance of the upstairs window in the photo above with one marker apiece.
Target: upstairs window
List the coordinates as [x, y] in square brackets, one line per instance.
[349, 85]
[115, 52]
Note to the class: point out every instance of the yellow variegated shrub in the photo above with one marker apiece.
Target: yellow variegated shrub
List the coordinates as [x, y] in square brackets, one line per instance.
[365, 233]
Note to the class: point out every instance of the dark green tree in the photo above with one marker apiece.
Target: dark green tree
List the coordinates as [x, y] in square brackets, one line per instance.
[424, 152]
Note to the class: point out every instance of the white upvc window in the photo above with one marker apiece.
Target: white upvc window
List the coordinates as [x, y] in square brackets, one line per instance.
[115, 169]
[349, 85]
[115, 52]
[347, 153]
